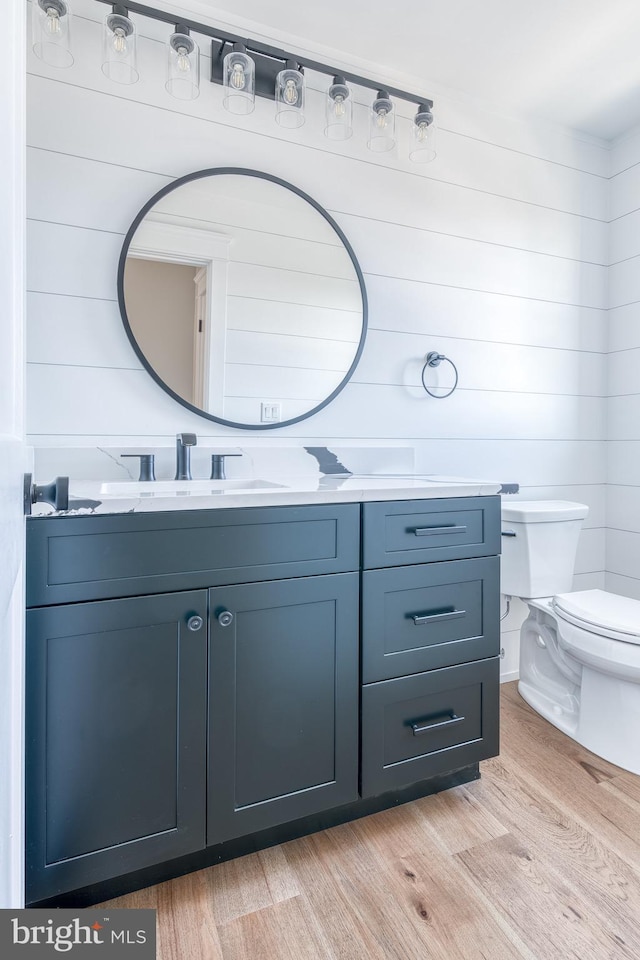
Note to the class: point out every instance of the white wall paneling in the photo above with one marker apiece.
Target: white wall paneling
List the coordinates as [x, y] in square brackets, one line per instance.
[623, 423]
[625, 153]
[623, 460]
[623, 507]
[495, 254]
[623, 550]
[623, 373]
[624, 234]
[623, 327]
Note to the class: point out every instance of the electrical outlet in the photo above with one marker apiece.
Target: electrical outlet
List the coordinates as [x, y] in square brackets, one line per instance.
[270, 412]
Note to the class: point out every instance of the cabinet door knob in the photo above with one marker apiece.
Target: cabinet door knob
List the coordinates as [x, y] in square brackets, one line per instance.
[195, 623]
[225, 618]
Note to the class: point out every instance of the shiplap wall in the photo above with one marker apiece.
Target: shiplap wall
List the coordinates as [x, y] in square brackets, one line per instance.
[495, 254]
[623, 490]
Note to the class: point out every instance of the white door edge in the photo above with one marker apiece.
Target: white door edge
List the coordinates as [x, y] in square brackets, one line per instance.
[12, 453]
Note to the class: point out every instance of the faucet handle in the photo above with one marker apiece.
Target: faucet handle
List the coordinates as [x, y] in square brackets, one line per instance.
[217, 464]
[187, 439]
[147, 462]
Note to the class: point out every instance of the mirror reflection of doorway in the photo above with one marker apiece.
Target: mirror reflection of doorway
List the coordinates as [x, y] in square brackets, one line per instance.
[165, 302]
[171, 303]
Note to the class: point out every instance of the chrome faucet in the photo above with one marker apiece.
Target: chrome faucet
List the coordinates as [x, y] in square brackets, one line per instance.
[184, 442]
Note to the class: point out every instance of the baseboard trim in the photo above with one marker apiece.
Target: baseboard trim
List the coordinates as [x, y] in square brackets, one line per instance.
[508, 677]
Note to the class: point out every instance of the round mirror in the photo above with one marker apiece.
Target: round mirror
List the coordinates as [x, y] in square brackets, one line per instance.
[243, 298]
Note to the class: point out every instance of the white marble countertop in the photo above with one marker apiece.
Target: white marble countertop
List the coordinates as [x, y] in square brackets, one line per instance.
[94, 497]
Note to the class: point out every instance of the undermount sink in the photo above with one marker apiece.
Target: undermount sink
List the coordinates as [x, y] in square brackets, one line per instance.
[135, 488]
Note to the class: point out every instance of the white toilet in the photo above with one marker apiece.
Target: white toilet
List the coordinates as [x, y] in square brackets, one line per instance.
[579, 652]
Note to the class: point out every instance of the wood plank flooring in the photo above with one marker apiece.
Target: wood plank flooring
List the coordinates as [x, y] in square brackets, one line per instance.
[540, 859]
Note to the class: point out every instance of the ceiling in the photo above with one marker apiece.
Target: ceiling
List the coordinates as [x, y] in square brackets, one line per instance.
[573, 62]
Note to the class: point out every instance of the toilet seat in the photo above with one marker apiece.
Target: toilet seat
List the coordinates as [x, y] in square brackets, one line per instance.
[601, 613]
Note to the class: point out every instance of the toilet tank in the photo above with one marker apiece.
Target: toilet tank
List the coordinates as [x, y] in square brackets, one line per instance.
[539, 544]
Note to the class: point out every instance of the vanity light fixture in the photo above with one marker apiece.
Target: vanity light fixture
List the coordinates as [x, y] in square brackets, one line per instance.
[290, 96]
[51, 32]
[239, 80]
[119, 46]
[423, 149]
[338, 111]
[246, 68]
[183, 64]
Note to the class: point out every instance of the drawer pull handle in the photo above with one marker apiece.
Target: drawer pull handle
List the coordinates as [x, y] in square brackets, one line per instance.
[195, 623]
[419, 619]
[509, 533]
[420, 727]
[225, 618]
[436, 531]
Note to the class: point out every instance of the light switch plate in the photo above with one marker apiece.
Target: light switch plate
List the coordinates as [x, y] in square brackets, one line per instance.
[270, 412]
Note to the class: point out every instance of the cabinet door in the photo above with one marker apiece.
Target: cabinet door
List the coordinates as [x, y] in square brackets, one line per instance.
[283, 702]
[116, 738]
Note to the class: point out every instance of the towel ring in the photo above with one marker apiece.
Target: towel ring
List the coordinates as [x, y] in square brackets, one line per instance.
[434, 359]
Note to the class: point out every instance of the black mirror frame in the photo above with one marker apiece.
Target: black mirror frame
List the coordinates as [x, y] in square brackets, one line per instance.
[218, 171]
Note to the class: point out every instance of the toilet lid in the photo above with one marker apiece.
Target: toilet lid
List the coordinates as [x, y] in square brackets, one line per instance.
[542, 511]
[600, 612]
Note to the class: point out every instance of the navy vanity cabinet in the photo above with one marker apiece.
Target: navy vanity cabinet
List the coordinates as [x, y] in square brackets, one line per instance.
[430, 639]
[148, 743]
[201, 684]
[115, 738]
[283, 734]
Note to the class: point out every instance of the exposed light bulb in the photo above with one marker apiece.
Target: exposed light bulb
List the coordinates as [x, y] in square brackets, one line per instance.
[290, 94]
[183, 63]
[423, 132]
[53, 21]
[381, 118]
[119, 41]
[237, 78]
[339, 108]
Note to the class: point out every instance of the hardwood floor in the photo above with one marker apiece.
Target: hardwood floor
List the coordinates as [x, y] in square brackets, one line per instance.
[540, 859]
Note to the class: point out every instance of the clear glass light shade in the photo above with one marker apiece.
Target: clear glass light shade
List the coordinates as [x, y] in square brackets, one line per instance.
[290, 98]
[338, 111]
[382, 124]
[51, 32]
[239, 81]
[423, 145]
[183, 67]
[120, 49]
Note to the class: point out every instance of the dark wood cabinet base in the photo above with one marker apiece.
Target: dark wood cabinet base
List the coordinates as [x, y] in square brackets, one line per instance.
[118, 886]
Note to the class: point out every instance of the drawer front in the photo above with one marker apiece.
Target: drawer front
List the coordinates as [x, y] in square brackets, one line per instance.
[418, 727]
[72, 559]
[411, 531]
[429, 616]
